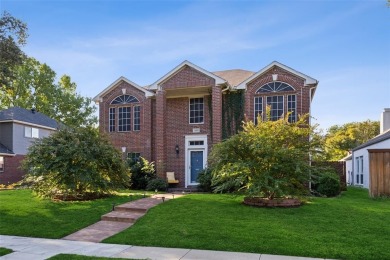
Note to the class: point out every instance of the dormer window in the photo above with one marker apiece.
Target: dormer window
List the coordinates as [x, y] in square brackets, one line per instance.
[31, 132]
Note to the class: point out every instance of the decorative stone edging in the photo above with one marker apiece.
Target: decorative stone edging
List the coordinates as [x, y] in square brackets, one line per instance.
[278, 202]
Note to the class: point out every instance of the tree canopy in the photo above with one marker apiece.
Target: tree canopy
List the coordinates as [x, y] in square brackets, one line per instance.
[342, 138]
[13, 35]
[27, 83]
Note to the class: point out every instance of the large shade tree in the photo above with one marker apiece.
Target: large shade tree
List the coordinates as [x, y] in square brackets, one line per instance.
[75, 163]
[270, 159]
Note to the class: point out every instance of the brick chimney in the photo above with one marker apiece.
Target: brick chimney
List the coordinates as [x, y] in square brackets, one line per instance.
[385, 120]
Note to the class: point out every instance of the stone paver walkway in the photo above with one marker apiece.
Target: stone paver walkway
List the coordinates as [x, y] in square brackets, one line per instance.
[123, 216]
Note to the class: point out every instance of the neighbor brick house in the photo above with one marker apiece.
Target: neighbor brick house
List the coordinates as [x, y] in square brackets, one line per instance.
[18, 128]
[176, 120]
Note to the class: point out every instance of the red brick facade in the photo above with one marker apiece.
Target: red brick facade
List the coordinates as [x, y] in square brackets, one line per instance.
[12, 172]
[165, 110]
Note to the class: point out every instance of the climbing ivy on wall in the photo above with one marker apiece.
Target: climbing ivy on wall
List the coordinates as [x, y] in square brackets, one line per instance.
[232, 113]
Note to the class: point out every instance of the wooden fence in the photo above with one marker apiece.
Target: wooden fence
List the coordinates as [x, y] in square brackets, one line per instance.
[379, 172]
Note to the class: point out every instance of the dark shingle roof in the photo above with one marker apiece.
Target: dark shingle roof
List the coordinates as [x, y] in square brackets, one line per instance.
[379, 138]
[5, 150]
[27, 116]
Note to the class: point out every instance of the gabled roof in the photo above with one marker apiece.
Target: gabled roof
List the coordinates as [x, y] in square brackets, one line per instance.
[218, 80]
[379, 138]
[113, 85]
[22, 115]
[308, 80]
[5, 151]
[234, 77]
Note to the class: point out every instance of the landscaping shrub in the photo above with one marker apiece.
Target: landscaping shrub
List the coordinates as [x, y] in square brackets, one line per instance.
[268, 159]
[158, 184]
[328, 184]
[142, 171]
[204, 180]
[75, 163]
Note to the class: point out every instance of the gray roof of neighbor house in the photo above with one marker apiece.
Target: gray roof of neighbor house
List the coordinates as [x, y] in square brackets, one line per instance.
[5, 150]
[379, 138]
[234, 77]
[27, 116]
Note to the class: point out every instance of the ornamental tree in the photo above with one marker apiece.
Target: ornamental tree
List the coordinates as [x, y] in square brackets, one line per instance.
[270, 159]
[75, 163]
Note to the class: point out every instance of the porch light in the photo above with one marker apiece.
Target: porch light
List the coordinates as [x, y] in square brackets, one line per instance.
[177, 149]
[123, 149]
[274, 77]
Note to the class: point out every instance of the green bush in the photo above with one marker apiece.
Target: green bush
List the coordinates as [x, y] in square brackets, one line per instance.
[204, 180]
[158, 184]
[328, 184]
[142, 171]
[77, 163]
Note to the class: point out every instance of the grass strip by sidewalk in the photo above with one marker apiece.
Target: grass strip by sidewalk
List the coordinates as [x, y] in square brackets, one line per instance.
[25, 215]
[5, 251]
[351, 226]
[82, 257]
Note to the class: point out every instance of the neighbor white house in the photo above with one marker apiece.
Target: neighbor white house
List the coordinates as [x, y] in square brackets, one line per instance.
[360, 174]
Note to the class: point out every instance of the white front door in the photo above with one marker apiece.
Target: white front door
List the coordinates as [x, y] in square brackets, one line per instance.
[196, 157]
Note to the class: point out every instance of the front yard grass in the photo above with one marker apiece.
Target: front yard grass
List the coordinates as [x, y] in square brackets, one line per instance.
[21, 214]
[351, 226]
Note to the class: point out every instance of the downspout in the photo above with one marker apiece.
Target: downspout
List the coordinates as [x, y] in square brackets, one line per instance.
[310, 98]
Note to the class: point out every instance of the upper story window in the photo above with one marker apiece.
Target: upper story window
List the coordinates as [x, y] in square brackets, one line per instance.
[124, 119]
[111, 122]
[31, 132]
[279, 104]
[196, 111]
[125, 115]
[124, 99]
[275, 86]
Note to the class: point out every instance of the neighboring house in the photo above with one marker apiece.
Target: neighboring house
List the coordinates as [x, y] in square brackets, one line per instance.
[360, 155]
[18, 128]
[348, 168]
[176, 120]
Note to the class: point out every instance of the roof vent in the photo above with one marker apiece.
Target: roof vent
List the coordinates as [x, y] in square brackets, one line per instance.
[33, 110]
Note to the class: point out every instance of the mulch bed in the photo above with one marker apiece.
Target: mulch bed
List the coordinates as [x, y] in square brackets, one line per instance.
[278, 202]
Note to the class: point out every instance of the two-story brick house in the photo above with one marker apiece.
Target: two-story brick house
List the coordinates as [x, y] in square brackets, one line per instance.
[176, 120]
[18, 128]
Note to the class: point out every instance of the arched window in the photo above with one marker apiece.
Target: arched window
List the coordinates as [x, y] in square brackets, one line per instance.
[125, 117]
[279, 103]
[275, 86]
[124, 99]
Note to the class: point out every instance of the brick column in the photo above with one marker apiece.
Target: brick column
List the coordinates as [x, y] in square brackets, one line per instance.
[216, 103]
[160, 133]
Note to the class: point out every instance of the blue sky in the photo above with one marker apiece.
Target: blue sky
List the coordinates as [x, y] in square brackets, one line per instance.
[343, 44]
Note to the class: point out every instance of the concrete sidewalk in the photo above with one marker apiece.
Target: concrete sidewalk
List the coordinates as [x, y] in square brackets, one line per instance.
[39, 248]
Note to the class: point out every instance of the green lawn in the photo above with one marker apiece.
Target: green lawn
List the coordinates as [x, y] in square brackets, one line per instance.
[21, 214]
[5, 251]
[351, 226]
[81, 257]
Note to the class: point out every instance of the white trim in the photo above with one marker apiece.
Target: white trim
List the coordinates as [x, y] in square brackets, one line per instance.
[7, 154]
[218, 80]
[308, 80]
[188, 149]
[98, 97]
[254, 107]
[29, 124]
